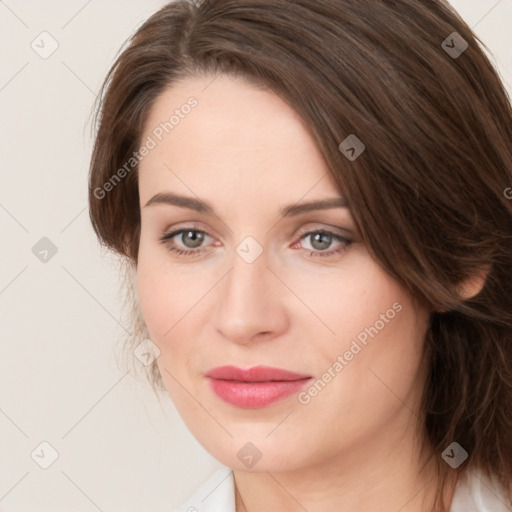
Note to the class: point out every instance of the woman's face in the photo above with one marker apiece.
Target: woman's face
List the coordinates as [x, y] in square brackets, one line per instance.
[296, 291]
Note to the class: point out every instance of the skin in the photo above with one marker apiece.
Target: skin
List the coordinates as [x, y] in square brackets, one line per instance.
[354, 446]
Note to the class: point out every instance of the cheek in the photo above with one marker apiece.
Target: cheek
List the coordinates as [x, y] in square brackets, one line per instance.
[159, 289]
[170, 306]
[162, 308]
[160, 297]
[379, 335]
[352, 300]
[152, 298]
[385, 369]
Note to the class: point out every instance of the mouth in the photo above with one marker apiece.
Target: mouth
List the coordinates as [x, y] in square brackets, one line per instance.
[256, 387]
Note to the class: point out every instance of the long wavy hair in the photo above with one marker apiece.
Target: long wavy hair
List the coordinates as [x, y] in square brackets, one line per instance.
[430, 194]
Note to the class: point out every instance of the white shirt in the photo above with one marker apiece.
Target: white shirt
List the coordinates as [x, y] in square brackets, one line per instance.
[473, 493]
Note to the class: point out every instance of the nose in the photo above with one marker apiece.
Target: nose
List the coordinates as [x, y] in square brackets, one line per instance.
[250, 302]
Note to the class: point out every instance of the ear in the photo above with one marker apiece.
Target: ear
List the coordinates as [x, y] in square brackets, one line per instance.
[473, 285]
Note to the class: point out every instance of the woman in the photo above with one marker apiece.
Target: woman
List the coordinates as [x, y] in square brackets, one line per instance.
[310, 197]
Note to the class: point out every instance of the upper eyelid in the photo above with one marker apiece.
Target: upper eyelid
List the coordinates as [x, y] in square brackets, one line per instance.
[330, 229]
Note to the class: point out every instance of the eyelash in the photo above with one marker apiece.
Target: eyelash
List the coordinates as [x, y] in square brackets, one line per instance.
[164, 239]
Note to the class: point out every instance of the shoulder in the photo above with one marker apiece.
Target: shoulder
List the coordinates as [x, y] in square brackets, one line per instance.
[476, 492]
[216, 494]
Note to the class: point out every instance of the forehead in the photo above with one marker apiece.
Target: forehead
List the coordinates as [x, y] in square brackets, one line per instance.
[225, 132]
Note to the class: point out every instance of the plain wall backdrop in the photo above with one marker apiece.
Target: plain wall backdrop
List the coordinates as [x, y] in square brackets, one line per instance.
[117, 448]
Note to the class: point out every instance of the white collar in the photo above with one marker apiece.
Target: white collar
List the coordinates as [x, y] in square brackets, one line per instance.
[217, 494]
[475, 492]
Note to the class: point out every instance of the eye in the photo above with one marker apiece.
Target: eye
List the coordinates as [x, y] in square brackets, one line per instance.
[190, 237]
[192, 240]
[321, 240]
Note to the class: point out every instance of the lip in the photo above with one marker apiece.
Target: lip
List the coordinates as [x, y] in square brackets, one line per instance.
[256, 387]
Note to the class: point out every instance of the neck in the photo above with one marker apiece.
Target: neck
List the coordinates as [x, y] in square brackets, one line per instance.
[378, 475]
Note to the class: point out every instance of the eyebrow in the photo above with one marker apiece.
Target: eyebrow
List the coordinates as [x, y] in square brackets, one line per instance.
[288, 211]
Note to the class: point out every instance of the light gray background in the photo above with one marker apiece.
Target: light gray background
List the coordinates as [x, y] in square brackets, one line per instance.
[61, 323]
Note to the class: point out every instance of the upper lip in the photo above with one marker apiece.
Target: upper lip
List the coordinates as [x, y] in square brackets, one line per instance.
[256, 374]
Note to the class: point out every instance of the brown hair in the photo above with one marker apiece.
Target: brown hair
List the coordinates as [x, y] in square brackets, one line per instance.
[427, 194]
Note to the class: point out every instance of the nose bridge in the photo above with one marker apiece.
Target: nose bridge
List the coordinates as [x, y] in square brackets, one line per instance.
[247, 282]
[248, 302]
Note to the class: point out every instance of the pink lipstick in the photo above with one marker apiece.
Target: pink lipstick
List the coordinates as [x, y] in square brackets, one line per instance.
[256, 387]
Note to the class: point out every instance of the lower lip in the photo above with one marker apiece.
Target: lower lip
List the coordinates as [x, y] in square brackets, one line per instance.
[255, 395]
